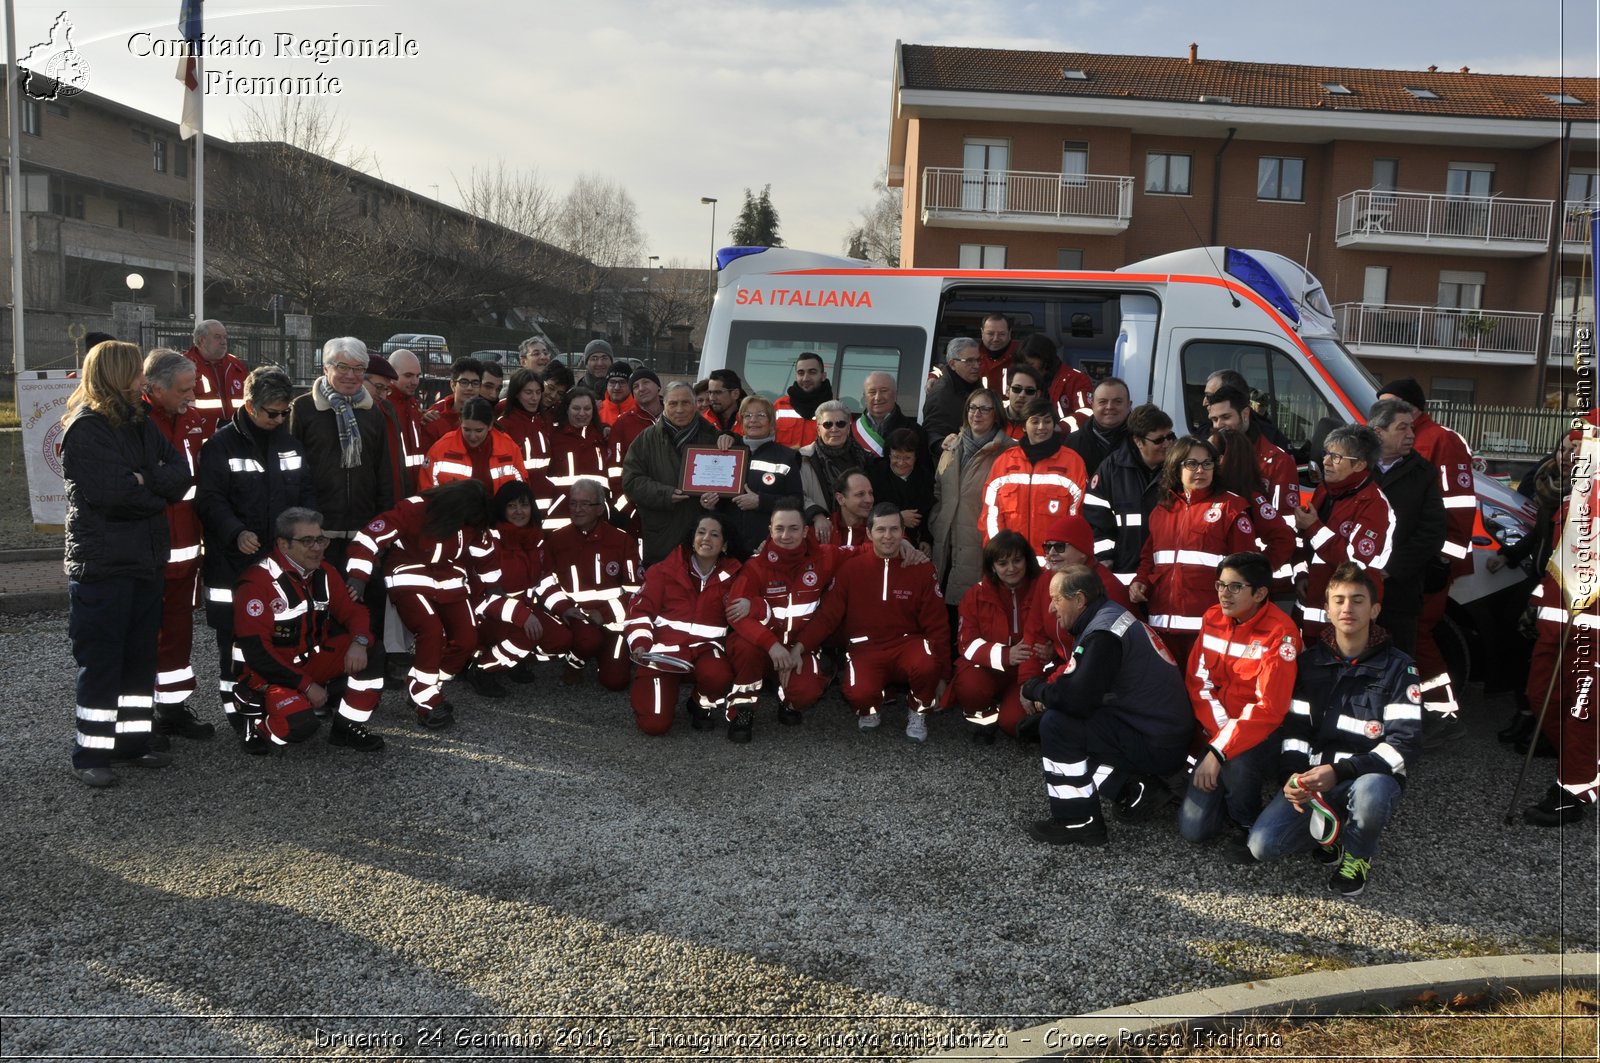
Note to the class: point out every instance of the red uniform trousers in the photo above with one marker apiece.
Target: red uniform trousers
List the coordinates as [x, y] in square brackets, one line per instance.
[504, 641]
[977, 689]
[289, 716]
[591, 642]
[654, 693]
[752, 666]
[174, 673]
[1438, 691]
[871, 667]
[447, 637]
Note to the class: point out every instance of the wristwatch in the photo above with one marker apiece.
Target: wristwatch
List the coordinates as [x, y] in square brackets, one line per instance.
[362, 640]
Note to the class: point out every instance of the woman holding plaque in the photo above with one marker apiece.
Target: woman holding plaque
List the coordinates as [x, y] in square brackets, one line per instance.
[677, 626]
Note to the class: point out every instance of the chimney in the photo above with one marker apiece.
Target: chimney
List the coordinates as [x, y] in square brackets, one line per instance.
[1433, 68]
[1194, 53]
[1466, 70]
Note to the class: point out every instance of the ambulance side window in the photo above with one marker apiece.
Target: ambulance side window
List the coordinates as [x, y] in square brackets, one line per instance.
[1279, 387]
[763, 353]
[769, 364]
[857, 363]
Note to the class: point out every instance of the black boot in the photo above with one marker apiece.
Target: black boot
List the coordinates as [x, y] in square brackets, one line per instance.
[985, 736]
[1556, 809]
[254, 740]
[178, 720]
[740, 727]
[485, 684]
[1517, 731]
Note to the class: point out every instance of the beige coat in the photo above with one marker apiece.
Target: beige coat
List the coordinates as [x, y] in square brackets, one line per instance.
[958, 506]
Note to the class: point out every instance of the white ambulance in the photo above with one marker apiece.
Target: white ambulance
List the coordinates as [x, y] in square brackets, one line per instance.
[1163, 325]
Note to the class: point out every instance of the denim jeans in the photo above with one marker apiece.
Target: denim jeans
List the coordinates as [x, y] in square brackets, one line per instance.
[1238, 793]
[1365, 805]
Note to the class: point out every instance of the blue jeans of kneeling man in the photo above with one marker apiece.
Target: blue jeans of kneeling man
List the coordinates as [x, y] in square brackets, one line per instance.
[1365, 805]
[1238, 793]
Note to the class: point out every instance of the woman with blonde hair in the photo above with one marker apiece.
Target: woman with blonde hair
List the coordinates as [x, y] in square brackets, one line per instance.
[119, 473]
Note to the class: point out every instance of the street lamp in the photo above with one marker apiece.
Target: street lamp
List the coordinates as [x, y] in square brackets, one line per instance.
[649, 322]
[135, 283]
[713, 201]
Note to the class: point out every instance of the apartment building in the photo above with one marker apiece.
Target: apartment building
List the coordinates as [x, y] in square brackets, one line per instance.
[1444, 211]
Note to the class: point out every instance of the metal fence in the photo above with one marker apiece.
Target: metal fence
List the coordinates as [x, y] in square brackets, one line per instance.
[253, 345]
[1428, 216]
[1057, 195]
[1504, 431]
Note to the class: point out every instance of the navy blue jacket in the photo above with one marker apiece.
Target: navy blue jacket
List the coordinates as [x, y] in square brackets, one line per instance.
[1362, 715]
[117, 526]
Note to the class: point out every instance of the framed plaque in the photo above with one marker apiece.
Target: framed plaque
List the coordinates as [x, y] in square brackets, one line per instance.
[707, 470]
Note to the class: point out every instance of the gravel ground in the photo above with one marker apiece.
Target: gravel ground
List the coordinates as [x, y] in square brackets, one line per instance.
[542, 878]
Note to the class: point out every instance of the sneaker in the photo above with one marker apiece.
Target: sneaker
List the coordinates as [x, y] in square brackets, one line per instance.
[1556, 809]
[485, 684]
[437, 718]
[1328, 855]
[1142, 798]
[1351, 876]
[150, 759]
[1092, 831]
[869, 722]
[178, 720]
[352, 735]
[917, 727]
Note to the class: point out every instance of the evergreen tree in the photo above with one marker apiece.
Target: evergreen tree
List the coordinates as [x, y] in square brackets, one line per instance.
[757, 224]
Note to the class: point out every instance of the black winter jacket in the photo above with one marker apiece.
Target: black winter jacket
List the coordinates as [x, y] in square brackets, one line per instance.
[247, 477]
[1412, 487]
[117, 526]
[1117, 505]
[349, 498]
[1360, 716]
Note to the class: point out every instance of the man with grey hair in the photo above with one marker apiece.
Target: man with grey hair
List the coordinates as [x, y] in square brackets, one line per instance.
[533, 353]
[250, 471]
[1348, 520]
[219, 376]
[653, 470]
[345, 443]
[1411, 484]
[597, 566]
[881, 415]
[944, 409]
[169, 382]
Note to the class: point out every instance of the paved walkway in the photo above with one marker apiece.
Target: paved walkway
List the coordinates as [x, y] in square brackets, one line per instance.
[31, 581]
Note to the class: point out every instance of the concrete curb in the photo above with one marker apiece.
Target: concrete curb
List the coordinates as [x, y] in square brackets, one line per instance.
[1153, 1023]
[36, 554]
[34, 602]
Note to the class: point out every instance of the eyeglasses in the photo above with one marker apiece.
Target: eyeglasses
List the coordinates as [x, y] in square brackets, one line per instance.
[1193, 466]
[467, 381]
[965, 361]
[274, 415]
[1161, 441]
[579, 503]
[980, 409]
[1232, 588]
[341, 369]
[1333, 457]
[309, 541]
[833, 424]
[1054, 547]
[1015, 390]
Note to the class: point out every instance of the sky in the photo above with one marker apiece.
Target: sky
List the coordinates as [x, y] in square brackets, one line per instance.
[677, 101]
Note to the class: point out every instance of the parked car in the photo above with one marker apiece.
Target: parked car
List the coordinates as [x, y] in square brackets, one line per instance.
[433, 350]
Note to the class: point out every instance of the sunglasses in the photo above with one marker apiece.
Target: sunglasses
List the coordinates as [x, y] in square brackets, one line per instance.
[1054, 547]
[834, 424]
[1161, 441]
[1015, 390]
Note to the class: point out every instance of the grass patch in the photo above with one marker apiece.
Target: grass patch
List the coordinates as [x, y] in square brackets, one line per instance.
[1249, 961]
[1550, 1025]
[8, 414]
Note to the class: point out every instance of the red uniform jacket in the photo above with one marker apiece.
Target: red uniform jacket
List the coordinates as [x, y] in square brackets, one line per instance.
[186, 432]
[991, 622]
[1179, 561]
[1027, 497]
[527, 431]
[784, 588]
[447, 421]
[624, 432]
[1354, 523]
[1573, 716]
[598, 569]
[791, 429]
[676, 609]
[610, 411]
[218, 388]
[413, 452]
[1449, 453]
[1281, 474]
[281, 616]
[876, 602]
[1073, 393]
[1241, 677]
[575, 454]
[496, 461]
[442, 570]
[995, 366]
[525, 567]
[847, 534]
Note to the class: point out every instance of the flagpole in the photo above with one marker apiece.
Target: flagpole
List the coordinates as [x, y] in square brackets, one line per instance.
[14, 165]
[200, 197]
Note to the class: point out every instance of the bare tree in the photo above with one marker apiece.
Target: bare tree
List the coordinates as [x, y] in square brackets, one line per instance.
[655, 300]
[297, 215]
[877, 238]
[599, 224]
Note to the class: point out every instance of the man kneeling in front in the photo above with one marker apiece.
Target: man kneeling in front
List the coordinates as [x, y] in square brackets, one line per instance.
[1354, 726]
[301, 640]
[1116, 718]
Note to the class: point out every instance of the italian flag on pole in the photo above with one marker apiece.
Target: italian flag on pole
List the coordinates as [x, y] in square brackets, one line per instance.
[189, 22]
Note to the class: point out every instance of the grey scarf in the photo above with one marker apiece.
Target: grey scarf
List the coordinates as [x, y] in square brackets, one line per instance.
[968, 445]
[344, 417]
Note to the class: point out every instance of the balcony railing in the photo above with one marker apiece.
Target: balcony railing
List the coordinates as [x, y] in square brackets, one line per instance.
[1575, 221]
[1439, 328]
[999, 194]
[1561, 334]
[1374, 215]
